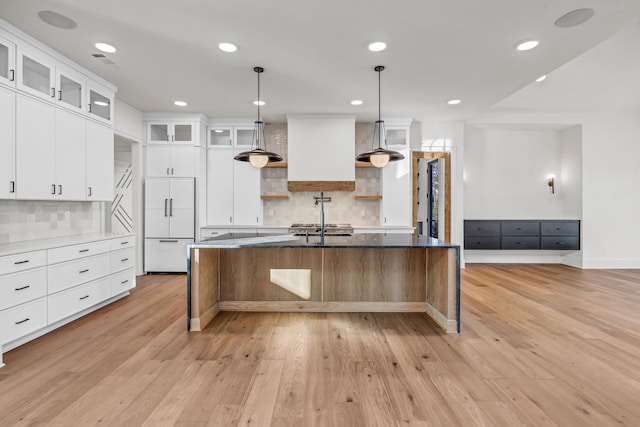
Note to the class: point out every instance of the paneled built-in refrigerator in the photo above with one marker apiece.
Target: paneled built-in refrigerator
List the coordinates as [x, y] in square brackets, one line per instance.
[169, 223]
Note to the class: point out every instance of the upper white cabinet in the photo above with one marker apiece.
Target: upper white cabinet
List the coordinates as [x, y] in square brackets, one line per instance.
[99, 102]
[225, 136]
[7, 144]
[396, 208]
[70, 156]
[70, 88]
[100, 183]
[172, 132]
[36, 73]
[7, 62]
[171, 161]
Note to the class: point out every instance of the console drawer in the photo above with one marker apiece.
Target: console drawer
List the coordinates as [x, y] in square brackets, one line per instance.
[560, 228]
[22, 287]
[68, 253]
[64, 304]
[481, 227]
[482, 242]
[24, 261]
[520, 242]
[561, 242]
[123, 281]
[520, 228]
[122, 260]
[68, 274]
[22, 319]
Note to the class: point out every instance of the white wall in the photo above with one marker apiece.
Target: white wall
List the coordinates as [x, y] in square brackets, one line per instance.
[569, 182]
[506, 174]
[127, 121]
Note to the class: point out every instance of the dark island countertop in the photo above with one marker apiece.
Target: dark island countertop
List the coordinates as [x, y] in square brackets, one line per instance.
[374, 240]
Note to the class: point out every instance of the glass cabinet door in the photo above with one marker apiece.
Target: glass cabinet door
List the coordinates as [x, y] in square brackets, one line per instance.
[244, 136]
[182, 132]
[7, 62]
[69, 89]
[158, 132]
[219, 137]
[36, 75]
[397, 136]
[99, 105]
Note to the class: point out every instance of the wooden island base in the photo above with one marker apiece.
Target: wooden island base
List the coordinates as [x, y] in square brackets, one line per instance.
[324, 279]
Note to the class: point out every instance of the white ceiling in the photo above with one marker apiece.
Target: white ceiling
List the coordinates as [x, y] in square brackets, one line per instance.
[315, 53]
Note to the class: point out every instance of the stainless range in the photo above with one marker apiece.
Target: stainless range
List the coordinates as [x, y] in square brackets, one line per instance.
[314, 229]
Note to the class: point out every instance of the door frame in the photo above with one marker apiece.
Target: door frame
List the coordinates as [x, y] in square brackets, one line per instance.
[447, 186]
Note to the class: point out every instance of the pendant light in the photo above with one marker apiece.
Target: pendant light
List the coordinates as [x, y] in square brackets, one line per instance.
[379, 157]
[258, 156]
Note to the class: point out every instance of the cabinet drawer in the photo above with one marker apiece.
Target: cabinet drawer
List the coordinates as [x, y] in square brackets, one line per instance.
[520, 228]
[68, 253]
[122, 243]
[166, 255]
[66, 275]
[520, 242]
[24, 261]
[476, 228]
[482, 242]
[206, 233]
[560, 228]
[123, 281]
[22, 319]
[123, 259]
[561, 242]
[22, 287]
[64, 304]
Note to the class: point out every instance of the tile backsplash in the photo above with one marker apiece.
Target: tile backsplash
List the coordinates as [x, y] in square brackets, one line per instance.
[30, 220]
[301, 208]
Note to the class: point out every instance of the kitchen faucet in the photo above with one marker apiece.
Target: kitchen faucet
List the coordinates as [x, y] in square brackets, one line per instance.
[321, 199]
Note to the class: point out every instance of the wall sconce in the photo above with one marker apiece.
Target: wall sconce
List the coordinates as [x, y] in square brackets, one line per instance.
[551, 183]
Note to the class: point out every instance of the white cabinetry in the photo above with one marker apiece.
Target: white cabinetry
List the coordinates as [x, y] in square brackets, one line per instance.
[70, 89]
[100, 183]
[7, 62]
[169, 223]
[36, 73]
[171, 132]
[70, 156]
[233, 187]
[43, 289]
[99, 102]
[171, 161]
[396, 208]
[7, 144]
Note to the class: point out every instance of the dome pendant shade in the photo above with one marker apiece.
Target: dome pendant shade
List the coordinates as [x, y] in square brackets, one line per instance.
[258, 156]
[379, 157]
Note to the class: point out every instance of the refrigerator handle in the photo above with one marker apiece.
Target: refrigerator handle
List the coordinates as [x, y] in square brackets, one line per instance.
[165, 207]
[170, 207]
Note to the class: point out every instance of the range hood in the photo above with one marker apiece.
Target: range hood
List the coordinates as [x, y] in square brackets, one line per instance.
[321, 152]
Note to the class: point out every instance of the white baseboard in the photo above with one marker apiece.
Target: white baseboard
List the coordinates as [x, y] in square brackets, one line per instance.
[611, 263]
[513, 257]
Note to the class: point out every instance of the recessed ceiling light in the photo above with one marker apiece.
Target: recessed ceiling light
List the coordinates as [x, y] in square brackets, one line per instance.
[574, 18]
[259, 102]
[180, 103]
[101, 103]
[356, 102]
[57, 20]
[377, 46]
[218, 131]
[527, 45]
[454, 101]
[105, 47]
[541, 78]
[227, 47]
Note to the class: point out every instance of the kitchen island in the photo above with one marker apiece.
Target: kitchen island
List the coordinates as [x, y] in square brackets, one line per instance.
[358, 273]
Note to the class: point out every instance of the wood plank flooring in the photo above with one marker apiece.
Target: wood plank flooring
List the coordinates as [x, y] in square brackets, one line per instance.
[541, 345]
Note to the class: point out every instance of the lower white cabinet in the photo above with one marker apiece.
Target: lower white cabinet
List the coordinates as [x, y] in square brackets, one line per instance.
[44, 288]
[166, 255]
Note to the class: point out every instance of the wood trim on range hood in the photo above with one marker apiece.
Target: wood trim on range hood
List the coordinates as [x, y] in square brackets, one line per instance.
[321, 185]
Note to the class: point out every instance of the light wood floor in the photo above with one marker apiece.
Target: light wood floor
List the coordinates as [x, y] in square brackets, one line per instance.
[540, 345]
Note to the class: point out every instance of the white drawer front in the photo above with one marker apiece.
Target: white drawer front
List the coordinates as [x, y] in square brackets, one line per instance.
[71, 301]
[22, 287]
[68, 253]
[123, 242]
[22, 319]
[66, 275]
[123, 259]
[166, 255]
[14, 263]
[212, 232]
[123, 281]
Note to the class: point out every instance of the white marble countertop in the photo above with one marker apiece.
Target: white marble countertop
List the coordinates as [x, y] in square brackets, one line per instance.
[40, 244]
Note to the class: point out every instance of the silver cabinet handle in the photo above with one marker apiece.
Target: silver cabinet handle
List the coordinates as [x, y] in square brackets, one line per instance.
[83, 250]
[21, 262]
[170, 207]
[230, 219]
[168, 241]
[167, 171]
[124, 243]
[53, 189]
[90, 191]
[53, 92]
[83, 271]
[59, 95]
[59, 189]
[171, 171]
[124, 259]
[22, 321]
[124, 281]
[13, 75]
[84, 297]
[12, 187]
[89, 107]
[22, 288]
[165, 207]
